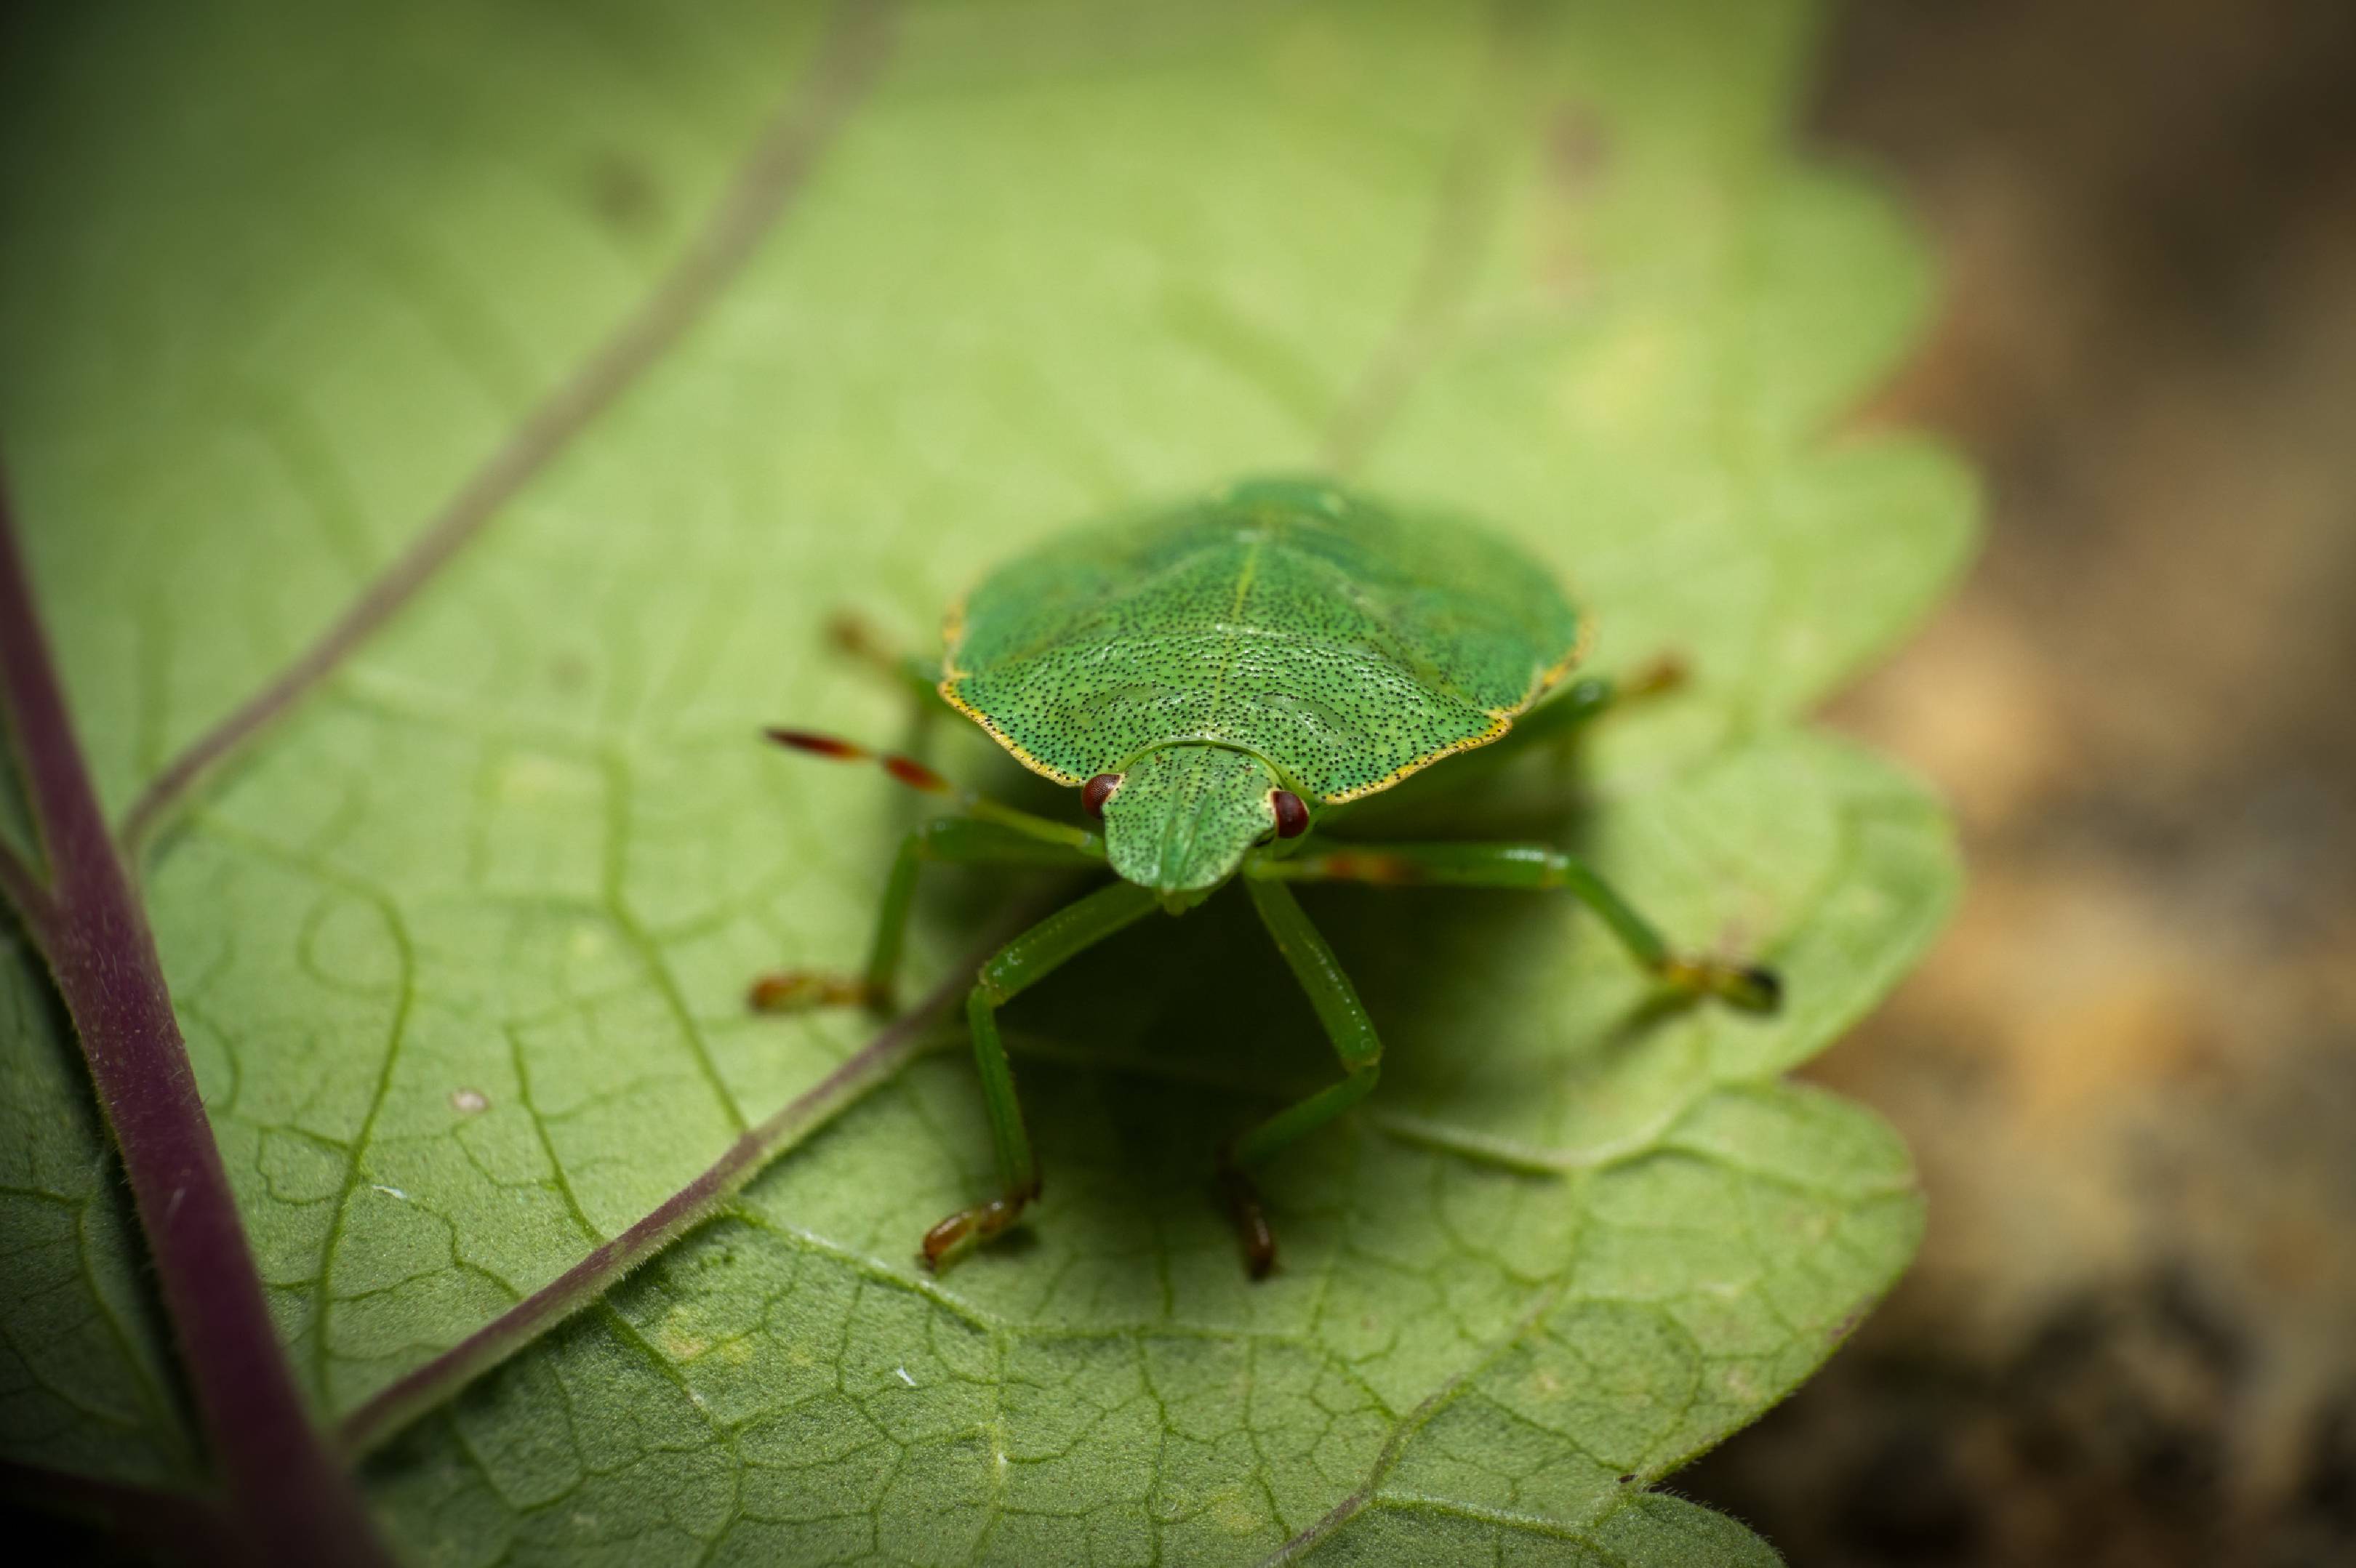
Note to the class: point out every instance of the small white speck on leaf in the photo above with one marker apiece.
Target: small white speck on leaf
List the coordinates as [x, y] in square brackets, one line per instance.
[904, 1377]
[466, 1101]
[390, 1191]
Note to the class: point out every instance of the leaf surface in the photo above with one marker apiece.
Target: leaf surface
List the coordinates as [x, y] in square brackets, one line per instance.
[84, 1385]
[459, 946]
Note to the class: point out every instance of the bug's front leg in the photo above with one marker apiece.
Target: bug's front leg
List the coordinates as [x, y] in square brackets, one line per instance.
[987, 834]
[952, 840]
[1014, 969]
[1355, 1042]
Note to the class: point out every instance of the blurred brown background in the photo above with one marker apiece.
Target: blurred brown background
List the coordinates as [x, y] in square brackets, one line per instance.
[2130, 1072]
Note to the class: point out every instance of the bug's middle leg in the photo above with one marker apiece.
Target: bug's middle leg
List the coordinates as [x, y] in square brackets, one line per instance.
[1749, 987]
[1355, 1042]
[1016, 966]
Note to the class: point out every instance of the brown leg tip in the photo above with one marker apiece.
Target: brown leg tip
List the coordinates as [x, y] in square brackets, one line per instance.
[970, 1228]
[1762, 989]
[848, 634]
[1656, 677]
[1251, 1222]
[796, 990]
[1751, 988]
[944, 1239]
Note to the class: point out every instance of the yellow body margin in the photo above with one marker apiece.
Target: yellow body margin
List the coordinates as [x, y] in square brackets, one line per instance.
[952, 633]
[1500, 720]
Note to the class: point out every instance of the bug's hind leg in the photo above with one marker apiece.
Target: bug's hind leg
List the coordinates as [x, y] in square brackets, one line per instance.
[1355, 1042]
[1016, 966]
[1552, 725]
[1589, 697]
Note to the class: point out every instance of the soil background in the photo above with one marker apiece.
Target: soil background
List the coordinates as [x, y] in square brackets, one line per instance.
[2129, 1071]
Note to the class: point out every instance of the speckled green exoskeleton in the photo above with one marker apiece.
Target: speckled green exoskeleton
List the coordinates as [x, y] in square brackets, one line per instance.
[1215, 679]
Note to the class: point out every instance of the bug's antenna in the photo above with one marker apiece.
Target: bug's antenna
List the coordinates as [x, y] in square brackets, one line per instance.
[908, 769]
[918, 776]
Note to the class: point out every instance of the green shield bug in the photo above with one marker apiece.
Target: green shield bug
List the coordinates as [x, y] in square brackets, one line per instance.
[1215, 679]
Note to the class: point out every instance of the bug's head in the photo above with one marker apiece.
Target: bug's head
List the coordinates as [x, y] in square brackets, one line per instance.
[1180, 820]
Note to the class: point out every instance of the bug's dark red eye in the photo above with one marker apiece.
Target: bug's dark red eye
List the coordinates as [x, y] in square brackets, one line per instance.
[1095, 791]
[1292, 816]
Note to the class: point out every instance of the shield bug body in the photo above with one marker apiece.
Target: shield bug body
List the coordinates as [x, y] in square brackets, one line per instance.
[1215, 679]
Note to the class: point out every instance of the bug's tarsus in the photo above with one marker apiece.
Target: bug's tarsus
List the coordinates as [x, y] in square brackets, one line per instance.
[1656, 677]
[1756, 989]
[1251, 1219]
[801, 990]
[969, 1228]
[1748, 987]
[851, 633]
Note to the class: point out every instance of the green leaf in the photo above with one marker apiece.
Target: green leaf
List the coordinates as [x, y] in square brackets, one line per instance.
[459, 946]
[84, 1385]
